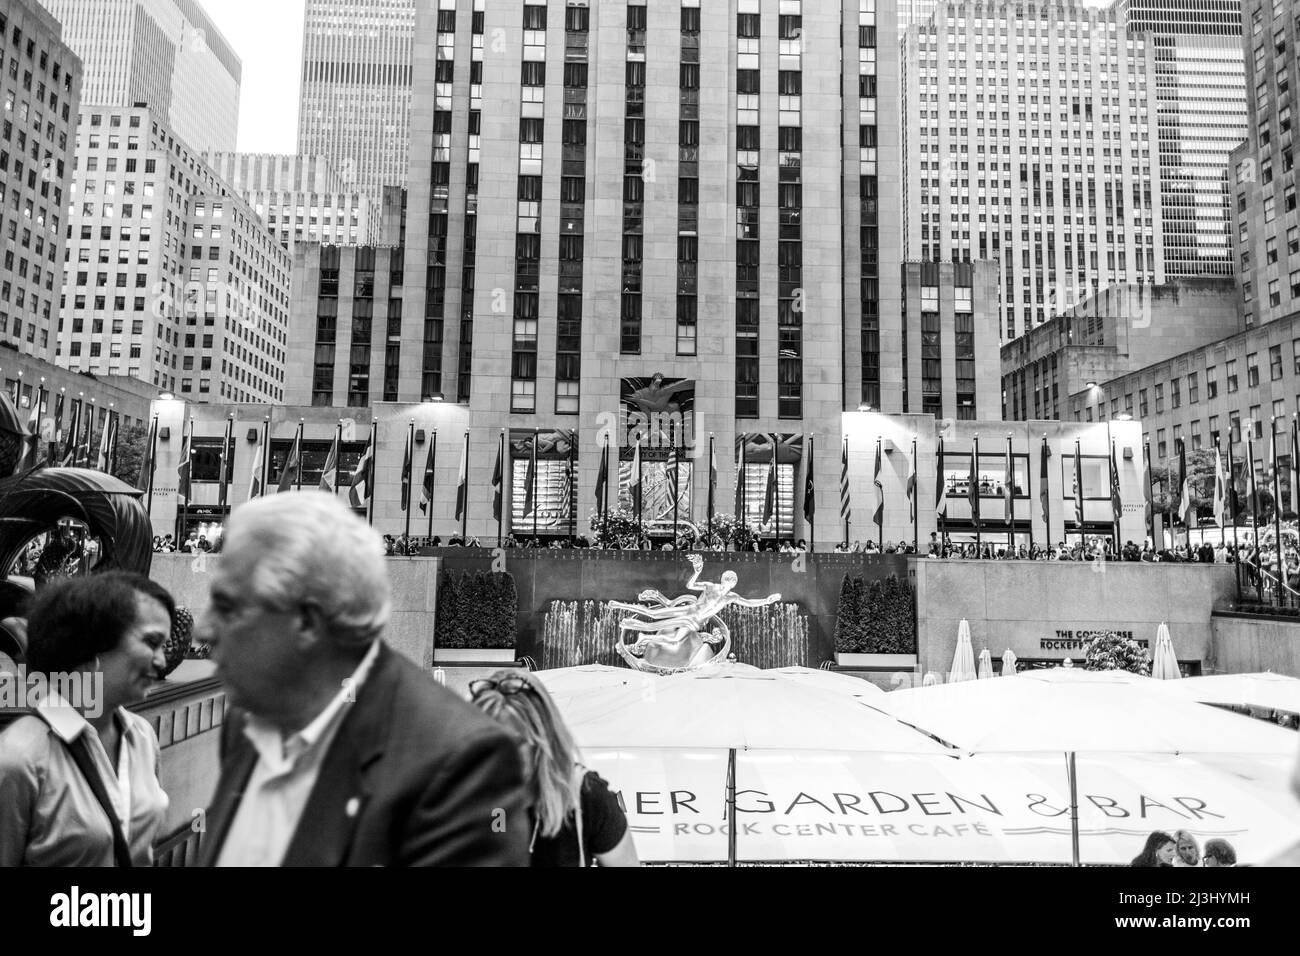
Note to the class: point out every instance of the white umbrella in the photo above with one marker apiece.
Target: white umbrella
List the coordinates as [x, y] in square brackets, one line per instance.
[827, 680]
[986, 664]
[1008, 662]
[1269, 691]
[733, 706]
[1164, 662]
[963, 660]
[1073, 711]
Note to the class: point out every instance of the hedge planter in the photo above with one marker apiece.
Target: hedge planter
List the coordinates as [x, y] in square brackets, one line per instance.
[889, 662]
[473, 655]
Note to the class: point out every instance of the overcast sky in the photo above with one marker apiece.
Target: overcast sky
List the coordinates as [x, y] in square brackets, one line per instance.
[267, 36]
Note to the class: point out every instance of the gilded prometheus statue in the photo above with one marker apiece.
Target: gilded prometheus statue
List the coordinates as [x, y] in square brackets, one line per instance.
[673, 632]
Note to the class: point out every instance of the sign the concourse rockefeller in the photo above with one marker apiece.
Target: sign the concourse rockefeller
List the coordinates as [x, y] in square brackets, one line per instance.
[1075, 640]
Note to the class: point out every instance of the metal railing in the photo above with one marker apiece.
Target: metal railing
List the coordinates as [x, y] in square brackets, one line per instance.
[1270, 588]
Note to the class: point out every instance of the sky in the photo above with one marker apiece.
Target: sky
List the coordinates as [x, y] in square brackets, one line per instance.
[267, 36]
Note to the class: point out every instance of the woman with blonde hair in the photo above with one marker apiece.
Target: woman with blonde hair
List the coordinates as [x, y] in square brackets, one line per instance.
[576, 819]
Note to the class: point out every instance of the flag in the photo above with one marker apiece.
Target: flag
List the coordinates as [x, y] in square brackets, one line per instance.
[363, 477]
[183, 471]
[32, 442]
[769, 493]
[1116, 503]
[462, 483]
[1008, 483]
[498, 486]
[879, 517]
[940, 485]
[673, 472]
[58, 428]
[973, 485]
[329, 477]
[809, 496]
[289, 474]
[635, 483]
[911, 481]
[227, 456]
[1295, 465]
[1220, 489]
[602, 479]
[255, 479]
[107, 440]
[741, 478]
[530, 479]
[845, 502]
[406, 475]
[426, 486]
[713, 476]
[145, 478]
[1078, 485]
[1185, 506]
[1149, 505]
[1043, 497]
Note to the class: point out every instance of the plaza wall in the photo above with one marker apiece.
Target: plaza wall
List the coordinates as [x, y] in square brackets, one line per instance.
[1040, 610]
[1030, 606]
[1250, 644]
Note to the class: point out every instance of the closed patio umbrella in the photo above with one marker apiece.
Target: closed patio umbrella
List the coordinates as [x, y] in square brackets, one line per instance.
[1164, 662]
[963, 661]
[986, 664]
[1008, 662]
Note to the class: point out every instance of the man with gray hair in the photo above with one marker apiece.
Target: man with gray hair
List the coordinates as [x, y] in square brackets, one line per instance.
[341, 752]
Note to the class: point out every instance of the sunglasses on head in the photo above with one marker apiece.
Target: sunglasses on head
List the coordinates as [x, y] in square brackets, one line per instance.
[507, 685]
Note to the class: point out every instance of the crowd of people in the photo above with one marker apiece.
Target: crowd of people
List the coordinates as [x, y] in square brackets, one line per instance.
[65, 552]
[194, 544]
[295, 623]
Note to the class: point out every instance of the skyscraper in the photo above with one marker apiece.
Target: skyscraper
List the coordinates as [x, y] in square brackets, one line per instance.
[1197, 71]
[1028, 139]
[36, 161]
[355, 108]
[167, 54]
[1265, 182]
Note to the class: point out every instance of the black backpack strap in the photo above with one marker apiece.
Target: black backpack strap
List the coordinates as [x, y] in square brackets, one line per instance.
[80, 751]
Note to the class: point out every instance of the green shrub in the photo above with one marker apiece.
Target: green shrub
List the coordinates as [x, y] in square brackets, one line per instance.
[875, 618]
[476, 611]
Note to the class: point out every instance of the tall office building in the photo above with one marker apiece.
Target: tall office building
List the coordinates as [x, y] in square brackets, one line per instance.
[42, 87]
[1195, 62]
[300, 198]
[165, 54]
[171, 277]
[355, 107]
[1267, 231]
[1029, 139]
[621, 213]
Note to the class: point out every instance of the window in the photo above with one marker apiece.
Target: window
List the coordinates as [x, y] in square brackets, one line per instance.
[1252, 370]
[1232, 376]
[1274, 362]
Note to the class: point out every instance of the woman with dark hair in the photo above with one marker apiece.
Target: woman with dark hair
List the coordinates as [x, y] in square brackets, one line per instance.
[575, 817]
[1159, 851]
[79, 776]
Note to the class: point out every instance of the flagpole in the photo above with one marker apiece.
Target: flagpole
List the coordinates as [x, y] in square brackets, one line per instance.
[1078, 489]
[572, 503]
[741, 489]
[710, 514]
[153, 466]
[812, 515]
[300, 453]
[266, 454]
[776, 487]
[532, 486]
[1232, 500]
[1011, 499]
[1045, 491]
[605, 506]
[338, 456]
[464, 514]
[844, 481]
[1254, 507]
[1151, 497]
[1114, 484]
[880, 490]
[501, 511]
[223, 484]
[370, 482]
[433, 478]
[916, 501]
[1277, 516]
[677, 477]
[410, 478]
[640, 499]
[975, 497]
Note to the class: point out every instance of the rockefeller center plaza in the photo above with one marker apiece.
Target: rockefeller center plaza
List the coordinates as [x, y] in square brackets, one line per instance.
[768, 434]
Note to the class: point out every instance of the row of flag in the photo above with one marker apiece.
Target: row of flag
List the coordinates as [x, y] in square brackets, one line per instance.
[77, 450]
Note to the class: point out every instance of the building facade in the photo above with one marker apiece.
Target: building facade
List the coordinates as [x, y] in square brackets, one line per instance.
[1123, 330]
[1227, 393]
[299, 198]
[1194, 58]
[950, 335]
[42, 88]
[166, 54]
[171, 277]
[1265, 181]
[355, 106]
[1030, 139]
[615, 278]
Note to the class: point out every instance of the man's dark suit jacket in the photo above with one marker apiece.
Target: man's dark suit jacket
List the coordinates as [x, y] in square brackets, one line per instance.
[414, 777]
